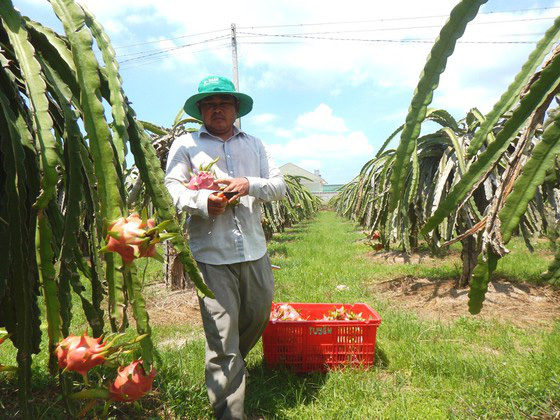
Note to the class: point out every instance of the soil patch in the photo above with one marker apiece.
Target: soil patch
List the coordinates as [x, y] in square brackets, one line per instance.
[524, 305]
[172, 307]
[399, 257]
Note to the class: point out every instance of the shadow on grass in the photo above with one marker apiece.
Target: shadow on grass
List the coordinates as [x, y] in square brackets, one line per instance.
[285, 238]
[173, 396]
[45, 401]
[534, 279]
[269, 392]
[381, 360]
[278, 251]
[272, 391]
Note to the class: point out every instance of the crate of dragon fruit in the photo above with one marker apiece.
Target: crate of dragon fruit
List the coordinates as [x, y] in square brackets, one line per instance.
[308, 337]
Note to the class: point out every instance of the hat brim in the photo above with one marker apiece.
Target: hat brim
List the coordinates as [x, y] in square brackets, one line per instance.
[245, 103]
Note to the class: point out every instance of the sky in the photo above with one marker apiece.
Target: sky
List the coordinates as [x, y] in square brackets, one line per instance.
[330, 80]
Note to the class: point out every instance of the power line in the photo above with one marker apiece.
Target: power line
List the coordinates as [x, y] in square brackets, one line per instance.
[337, 23]
[154, 57]
[410, 27]
[393, 41]
[149, 56]
[141, 53]
[403, 41]
[167, 50]
[151, 60]
[391, 19]
[172, 39]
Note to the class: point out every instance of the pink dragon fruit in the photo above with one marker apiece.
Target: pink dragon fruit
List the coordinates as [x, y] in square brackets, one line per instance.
[80, 353]
[204, 180]
[285, 312]
[133, 237]
[343, 314]
[131, 383]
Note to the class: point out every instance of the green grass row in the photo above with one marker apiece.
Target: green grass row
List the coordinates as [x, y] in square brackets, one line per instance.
[467, 368]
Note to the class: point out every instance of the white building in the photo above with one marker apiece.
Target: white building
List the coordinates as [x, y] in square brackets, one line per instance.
[314, 182]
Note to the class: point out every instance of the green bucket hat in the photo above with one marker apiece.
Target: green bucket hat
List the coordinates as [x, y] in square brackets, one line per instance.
[217, 85]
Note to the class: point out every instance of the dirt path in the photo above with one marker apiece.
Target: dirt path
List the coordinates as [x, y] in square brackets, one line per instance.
[523, 304]
[168, 307]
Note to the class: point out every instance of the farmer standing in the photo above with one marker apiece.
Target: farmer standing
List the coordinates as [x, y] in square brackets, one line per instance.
[227, 240]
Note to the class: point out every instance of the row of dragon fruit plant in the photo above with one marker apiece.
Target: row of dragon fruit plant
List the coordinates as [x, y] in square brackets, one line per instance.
[63, 195]
[479, 180]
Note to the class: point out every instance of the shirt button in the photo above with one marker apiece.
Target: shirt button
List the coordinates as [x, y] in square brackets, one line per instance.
[228, 156]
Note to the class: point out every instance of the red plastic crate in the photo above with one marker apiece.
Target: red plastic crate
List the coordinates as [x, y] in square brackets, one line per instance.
[318, 345]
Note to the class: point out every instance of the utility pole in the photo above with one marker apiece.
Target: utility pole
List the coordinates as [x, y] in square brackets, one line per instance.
[234, 62]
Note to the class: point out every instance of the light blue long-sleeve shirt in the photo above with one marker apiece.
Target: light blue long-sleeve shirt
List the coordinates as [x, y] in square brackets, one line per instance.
[236, 235]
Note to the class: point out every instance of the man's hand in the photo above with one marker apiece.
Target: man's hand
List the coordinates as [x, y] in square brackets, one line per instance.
[216, 204]
[238, 185]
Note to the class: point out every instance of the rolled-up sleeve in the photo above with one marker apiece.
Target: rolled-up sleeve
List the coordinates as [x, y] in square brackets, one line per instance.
[177, 176]
[270, 185]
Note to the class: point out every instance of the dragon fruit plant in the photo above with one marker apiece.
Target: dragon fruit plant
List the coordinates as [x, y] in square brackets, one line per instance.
[82, 353]
[3, 337]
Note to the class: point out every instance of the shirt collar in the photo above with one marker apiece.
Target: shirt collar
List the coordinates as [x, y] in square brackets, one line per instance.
[203, 129]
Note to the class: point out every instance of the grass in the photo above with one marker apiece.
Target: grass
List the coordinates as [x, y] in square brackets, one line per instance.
[468, 368]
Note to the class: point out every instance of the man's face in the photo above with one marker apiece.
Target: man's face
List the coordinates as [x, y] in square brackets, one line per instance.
[219, 113]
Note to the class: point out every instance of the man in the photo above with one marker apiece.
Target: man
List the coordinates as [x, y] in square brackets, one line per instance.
[227, 239]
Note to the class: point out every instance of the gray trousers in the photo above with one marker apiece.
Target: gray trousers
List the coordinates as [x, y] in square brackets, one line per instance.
[233, 323]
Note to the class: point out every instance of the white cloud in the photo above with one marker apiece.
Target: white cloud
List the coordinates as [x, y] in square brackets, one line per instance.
[336, 92]
[322, 140]
[283, 133]
[137, 19]
[476, 74]
[115, 27]
[321, 119]
[317, 146]
[262, 119]
[318, 59]
[310, 165]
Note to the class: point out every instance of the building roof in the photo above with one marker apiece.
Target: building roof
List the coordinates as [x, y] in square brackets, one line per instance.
[294, 170]
[332, 187]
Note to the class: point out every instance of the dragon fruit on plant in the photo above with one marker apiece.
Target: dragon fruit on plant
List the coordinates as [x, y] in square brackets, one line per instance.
[131, 382]
[4, 336]
[80, 353]
[134, 236]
